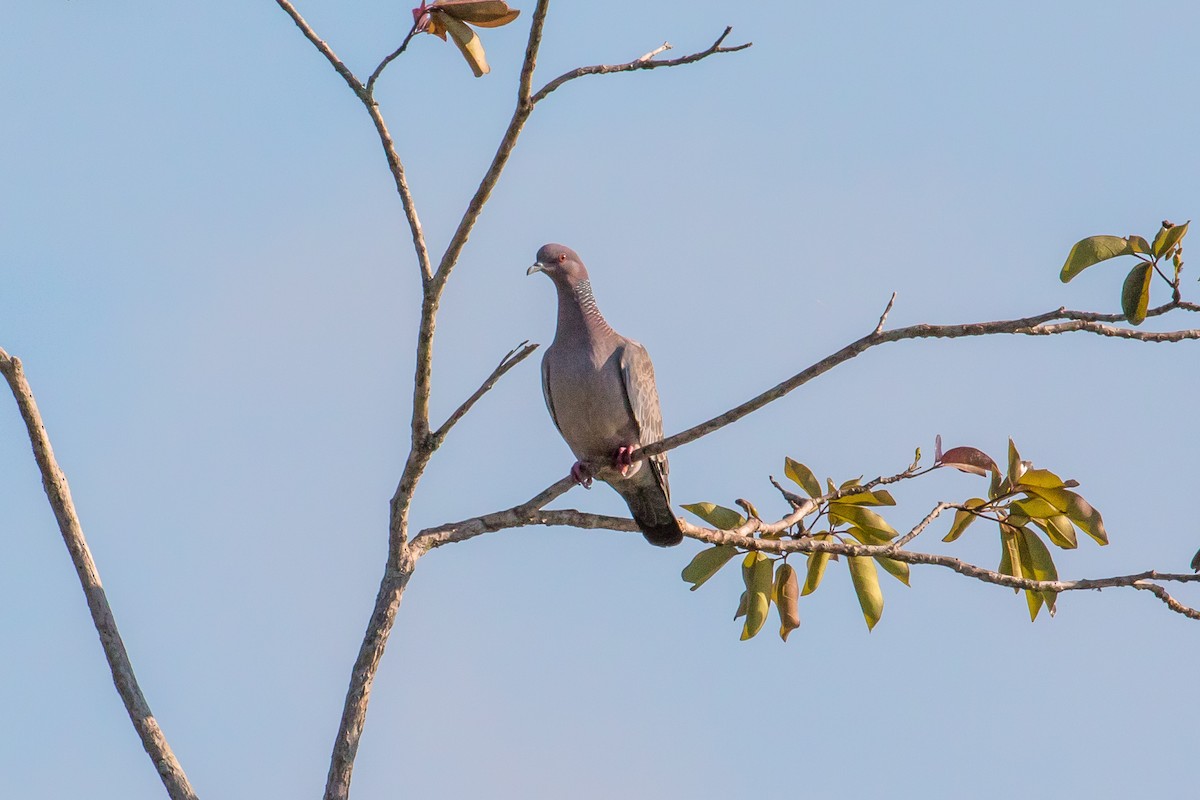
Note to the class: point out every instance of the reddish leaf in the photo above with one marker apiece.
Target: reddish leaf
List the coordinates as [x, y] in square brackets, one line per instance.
[968, 459]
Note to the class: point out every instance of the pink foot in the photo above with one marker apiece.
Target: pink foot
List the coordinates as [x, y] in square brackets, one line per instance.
[582, 474]
[623, 459]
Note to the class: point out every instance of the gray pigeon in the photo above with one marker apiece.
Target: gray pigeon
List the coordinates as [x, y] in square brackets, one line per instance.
[600, 390]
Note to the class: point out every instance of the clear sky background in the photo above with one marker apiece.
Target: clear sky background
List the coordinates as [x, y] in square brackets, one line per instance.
[207, 274]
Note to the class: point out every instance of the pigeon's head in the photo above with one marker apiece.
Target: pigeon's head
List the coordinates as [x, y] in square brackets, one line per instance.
[560, 263]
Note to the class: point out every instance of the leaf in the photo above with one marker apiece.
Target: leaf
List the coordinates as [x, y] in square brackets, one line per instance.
[963, 518]
[968, 459]
[816, 567]
[866, 586]
[868, 536]
[1138, 245]
[725, 519]
[758, 576]
[787, 599]
[861, 517]
[1093, 250]
[707, 563]
[1016, 467]
[743, 601]
[802, 476]
[1036, 564]
[482, 13]
[1034, 508]
[756, 572]
[757, 607]
[468, 43]
[1079, 511]
[897, 569]
[1041, 477]
[880, 497]
[1167, 238]
[1059, 530]
[1135, 293]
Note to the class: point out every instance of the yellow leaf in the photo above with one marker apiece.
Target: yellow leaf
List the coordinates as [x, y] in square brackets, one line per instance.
[866, 586]
[707, 563]
[468, 42]
[963, 518]
[803, 477]
[816, 567]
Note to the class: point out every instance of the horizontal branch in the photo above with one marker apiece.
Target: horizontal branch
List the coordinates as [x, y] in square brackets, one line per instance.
[1037, 325]
[58, 492]
[644, 62]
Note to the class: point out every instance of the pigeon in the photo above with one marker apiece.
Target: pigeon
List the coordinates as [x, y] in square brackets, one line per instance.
[600, 391]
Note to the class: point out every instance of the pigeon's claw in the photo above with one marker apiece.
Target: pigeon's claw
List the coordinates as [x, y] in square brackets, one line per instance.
[623, 459]
[582, 473]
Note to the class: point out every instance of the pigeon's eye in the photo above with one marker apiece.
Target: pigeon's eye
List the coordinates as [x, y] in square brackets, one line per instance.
[562, 258]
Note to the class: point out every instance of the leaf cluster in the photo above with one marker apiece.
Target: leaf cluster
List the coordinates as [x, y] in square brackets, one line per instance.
[1031, 507]
[1135, 291]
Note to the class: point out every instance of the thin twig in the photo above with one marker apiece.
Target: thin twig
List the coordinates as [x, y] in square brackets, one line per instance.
[658, 51]
[887, 310]
[645, 62]
[389, 59]
[510, 360]
[326, 50]
[58, 492]
[1027, 326]
[922, 525]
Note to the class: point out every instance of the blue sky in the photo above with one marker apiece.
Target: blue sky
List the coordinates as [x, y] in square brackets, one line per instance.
[205, 270]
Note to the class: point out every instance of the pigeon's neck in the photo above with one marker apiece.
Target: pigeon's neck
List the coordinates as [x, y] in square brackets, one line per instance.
[578, 313]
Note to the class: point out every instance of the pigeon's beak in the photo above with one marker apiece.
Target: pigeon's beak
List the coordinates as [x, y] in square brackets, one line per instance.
[538, 267]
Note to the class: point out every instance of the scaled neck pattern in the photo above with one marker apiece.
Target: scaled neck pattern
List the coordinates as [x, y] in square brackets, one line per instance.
[585, 306]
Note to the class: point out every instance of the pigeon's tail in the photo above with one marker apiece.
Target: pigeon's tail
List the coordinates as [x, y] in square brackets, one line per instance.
[651, 509]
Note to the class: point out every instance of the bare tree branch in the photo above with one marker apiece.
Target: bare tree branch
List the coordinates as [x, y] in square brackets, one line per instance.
[58, 492]
[1027, 326]
[389, 58]
[366, 95]
[742, 537]
[510, 360]
[354, 712]
[645, 62]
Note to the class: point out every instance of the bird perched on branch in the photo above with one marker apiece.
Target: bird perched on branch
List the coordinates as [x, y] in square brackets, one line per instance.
[600, 390]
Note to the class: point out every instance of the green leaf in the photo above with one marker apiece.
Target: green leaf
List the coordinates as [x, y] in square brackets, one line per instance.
[1038, 565]
[963, 518]
[879, 497]
[743, 601]
[707, 563]
[718, 516]
[1135, 293]
[861, 517]
[1138, 245]
[866, 586]
[897, 569]
[1010, 554]
[1041, 477]
[757, 607]
[1080, 511]
[868, 536]
[1093, 250]
[1016, 467]
[816, 567]
[802, 476]
[757, 573]
[1059, 530]
[1167, 238]
[787, 599]
[1034, 507]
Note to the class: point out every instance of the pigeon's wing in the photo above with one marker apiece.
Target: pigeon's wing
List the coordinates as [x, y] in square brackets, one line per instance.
[546, 394]
[641, 397]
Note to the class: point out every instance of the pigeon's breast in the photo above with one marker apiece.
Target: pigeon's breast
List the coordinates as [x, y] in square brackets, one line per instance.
[590, 404]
